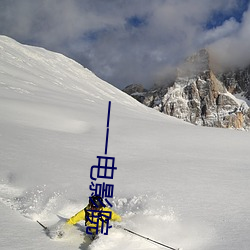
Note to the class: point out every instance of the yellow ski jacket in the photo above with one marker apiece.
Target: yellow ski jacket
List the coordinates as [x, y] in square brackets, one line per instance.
[81, 215]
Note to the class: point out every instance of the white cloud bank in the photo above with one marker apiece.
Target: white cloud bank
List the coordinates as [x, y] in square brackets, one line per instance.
[129, 41]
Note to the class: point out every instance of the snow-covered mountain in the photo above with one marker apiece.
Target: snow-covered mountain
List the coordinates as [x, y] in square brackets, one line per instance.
[201, 96]
[182, 185]
[237, 81]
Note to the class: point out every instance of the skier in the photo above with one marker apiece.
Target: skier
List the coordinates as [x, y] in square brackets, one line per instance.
[95, 214]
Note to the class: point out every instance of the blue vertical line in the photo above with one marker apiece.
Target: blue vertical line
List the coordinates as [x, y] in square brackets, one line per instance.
[107, 133]
[107, 139]
[108, 114]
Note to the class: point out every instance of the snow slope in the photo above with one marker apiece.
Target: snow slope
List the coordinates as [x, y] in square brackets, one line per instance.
[176, 183]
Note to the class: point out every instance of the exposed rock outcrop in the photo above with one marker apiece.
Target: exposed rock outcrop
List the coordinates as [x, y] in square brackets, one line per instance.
[202, 98]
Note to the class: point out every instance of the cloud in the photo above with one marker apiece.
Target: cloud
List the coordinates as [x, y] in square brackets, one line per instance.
[121, 41]
[232, 50]
[228, 28]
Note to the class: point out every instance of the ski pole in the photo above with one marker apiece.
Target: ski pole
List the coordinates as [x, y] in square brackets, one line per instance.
[150, 239]
[45, 228]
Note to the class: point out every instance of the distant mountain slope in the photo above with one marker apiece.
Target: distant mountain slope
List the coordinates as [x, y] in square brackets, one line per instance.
[34, 74]
[26, 70]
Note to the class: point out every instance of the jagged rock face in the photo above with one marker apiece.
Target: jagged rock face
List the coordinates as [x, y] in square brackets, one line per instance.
[199, 97]
[237, 81]
[205, 102]
[133, 88]
[137, 91]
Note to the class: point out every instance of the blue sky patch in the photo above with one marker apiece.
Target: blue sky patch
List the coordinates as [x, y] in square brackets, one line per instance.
[136, 21]
[219, 17]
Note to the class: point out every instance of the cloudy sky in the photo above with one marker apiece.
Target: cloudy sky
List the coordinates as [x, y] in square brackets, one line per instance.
[131, 41]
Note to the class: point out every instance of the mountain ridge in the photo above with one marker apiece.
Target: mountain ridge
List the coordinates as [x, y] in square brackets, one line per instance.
[202, 96]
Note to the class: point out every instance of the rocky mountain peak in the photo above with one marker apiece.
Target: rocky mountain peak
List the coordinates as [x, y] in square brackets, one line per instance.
[197, 64]
[200, 96]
